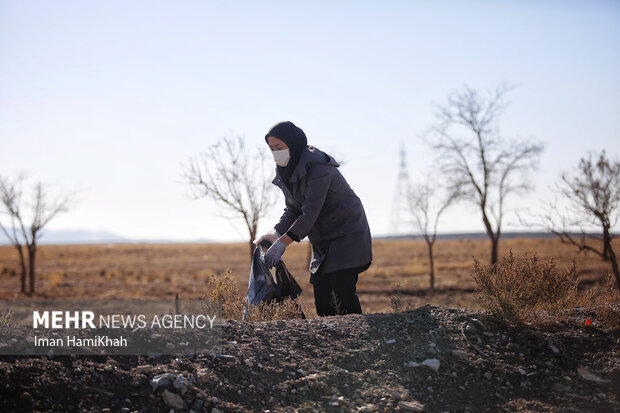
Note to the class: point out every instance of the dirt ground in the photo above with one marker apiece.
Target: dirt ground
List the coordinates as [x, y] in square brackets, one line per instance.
[441, 355]
[163, 270]
[431, 359]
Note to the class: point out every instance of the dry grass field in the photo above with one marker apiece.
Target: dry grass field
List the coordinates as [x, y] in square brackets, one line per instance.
[163, 270]
[371, 362]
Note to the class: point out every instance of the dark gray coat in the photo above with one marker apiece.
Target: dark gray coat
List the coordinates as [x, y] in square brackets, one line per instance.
[321, 205]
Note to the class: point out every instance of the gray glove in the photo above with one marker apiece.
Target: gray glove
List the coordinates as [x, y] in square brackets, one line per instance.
[274, 253]
[270, 236]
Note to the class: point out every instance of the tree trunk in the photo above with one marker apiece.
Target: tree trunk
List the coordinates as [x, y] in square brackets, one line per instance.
[32, 251]
[252, 246]
[494, 249]
[494, 238]
[614, 265]
[253, 231]
[22, 263]
[606, 243]
[432, 265]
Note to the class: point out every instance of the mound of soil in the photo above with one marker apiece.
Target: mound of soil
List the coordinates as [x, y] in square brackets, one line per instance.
[429, 359]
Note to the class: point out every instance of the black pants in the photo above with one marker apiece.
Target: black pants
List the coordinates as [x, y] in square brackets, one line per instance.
[340, 284]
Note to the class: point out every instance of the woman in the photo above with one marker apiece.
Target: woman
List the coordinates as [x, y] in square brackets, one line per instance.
[321, 205]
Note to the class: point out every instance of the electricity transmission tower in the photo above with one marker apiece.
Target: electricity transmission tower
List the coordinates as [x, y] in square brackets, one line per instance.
[399, 225]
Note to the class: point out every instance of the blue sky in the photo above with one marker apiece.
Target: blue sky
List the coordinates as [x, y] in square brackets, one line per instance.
[111, 98]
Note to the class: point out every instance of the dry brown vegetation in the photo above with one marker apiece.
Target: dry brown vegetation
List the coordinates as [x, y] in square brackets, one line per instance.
[516, 288]
[223, 294]
[164, 270]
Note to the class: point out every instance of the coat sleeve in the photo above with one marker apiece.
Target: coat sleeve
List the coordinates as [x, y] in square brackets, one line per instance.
[288, 217]
[318, 181]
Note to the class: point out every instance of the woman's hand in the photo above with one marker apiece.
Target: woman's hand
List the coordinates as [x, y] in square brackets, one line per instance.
[274, 253]
[270, 236]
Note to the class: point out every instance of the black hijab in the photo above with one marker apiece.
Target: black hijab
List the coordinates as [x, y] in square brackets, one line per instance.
[296, 141]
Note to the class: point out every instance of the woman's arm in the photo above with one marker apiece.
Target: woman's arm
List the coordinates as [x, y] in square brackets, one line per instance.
[319, 179]
[288, 217]
[317, 185]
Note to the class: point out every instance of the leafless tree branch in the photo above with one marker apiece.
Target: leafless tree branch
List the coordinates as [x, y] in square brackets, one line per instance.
[235, 178]
[592, 190]
[427, 200]
[477, 163]
[42, 210]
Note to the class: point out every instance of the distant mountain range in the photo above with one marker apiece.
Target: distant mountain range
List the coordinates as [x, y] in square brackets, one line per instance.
[92, 237]
[104, 237]
[478, 235]
[74, 237]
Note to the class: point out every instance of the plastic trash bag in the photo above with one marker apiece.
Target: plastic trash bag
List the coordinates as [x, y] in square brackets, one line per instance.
[263, 288]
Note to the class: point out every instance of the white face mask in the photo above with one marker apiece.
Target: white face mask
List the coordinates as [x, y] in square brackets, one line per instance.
[281, 157]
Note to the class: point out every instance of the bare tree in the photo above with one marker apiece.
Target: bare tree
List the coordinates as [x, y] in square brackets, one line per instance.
[426, 201]
[10, 197]
[235, 179]
[475, 158]
[42, 210]
[592, 190]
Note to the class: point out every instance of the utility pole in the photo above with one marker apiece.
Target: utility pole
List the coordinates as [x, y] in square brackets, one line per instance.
[398, 223]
